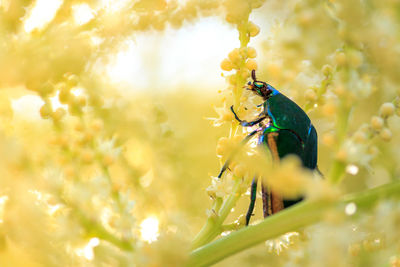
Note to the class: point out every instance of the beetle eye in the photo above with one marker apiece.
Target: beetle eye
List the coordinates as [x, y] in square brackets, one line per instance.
[249, 83]
[258, 84]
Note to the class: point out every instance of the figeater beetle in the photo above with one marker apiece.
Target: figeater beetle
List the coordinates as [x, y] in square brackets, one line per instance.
[284, 128]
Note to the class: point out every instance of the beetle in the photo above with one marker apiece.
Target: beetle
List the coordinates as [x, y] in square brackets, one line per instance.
[284, 128]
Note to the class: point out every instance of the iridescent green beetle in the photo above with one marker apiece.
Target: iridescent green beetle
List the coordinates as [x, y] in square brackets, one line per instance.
[284, 128]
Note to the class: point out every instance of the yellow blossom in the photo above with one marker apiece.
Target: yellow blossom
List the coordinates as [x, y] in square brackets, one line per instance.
[288, 178]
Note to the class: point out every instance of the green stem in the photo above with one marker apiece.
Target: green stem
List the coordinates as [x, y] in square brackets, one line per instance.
[93, 228]
[338, 166]
[337, 171]
[213, 226]
[285, 221]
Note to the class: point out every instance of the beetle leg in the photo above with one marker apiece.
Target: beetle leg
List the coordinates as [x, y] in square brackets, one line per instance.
[242, 143]
[253, 195]
[266, 199]
[272, 203]
[248, 123]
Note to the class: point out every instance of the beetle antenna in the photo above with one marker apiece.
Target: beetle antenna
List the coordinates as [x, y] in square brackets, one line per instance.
[253, 75]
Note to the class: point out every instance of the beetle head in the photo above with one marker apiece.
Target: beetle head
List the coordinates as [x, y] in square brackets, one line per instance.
[258, 87]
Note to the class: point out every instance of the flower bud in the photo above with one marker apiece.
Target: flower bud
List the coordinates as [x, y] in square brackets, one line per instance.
[240, 170]
[340, 58]
[234, 55]
[222, 145]
[72, 80]
[251, 52]
[45, 111]
[253, 29]
[310, 95]
[46, 89]
[251, 64]
[327, 69]
[386, 134]
[226, 65]
[58, 114]
[386, 110]
[376, 123]
[64, 95]
[87, 156]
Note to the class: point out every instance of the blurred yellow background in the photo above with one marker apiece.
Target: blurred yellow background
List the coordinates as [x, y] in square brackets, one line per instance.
[114, 119]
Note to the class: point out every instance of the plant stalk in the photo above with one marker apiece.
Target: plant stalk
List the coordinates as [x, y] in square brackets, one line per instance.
[288, 220]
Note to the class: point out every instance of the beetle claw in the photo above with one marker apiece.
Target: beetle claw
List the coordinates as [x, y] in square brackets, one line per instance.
[236, 116]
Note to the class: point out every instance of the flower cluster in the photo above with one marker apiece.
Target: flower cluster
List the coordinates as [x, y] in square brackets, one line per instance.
[95, 174]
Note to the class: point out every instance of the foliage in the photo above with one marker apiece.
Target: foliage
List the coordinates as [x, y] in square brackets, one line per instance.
[86, 167]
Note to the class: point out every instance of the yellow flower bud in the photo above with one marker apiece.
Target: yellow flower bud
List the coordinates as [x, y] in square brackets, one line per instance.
[234, 55]
[360, 137]
[354, 250]
[97, 125]
[230, 18]
[58, 114]
[342, 155]
[355, 59]
[64, 95]
[81, 100]
[386, 110]
[288, 179]
[87, 155]
[340, 58]
[251, 52]
[310, 95]
[386, 134]
[72, 80]
[69, 172]
[226, 65]
[79, 126]
[222, 145]
[257, 3]
[306, 17]
[327, 69]
[46, 89]
[53, 140]
[108, 160]
[373, 150]
[394, 261]
[328, 139]
[232, 79]
[339, 90]
[251, 64]
[45, 111]
[371, 245]
[227, 115]
[240, 170]
[253, 29]
[87, 137]
[376, 123]
[63, 140]
[329, 109]
[243, 52]
[246, 73]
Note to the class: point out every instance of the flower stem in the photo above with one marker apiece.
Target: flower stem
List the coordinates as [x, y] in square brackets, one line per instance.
[213, 226]
[338, 167]
[285, 221]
